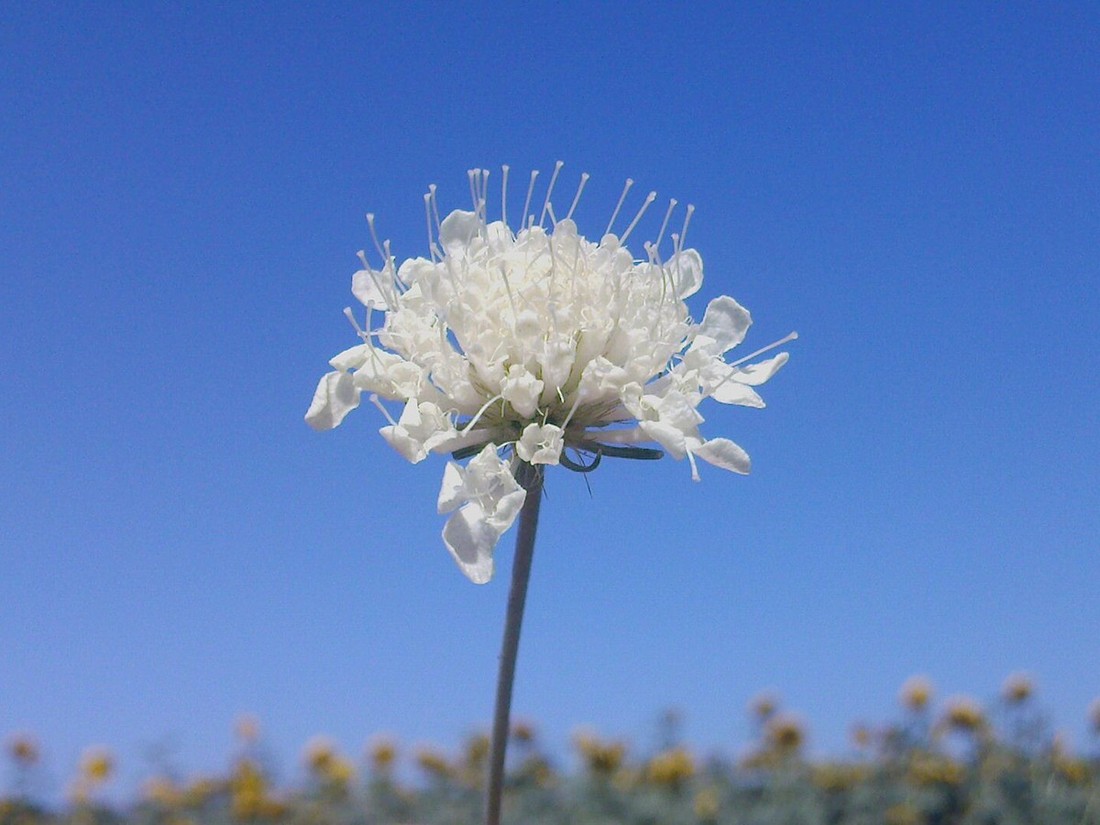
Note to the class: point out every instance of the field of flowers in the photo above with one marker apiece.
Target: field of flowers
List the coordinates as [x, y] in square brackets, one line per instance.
[956, 763]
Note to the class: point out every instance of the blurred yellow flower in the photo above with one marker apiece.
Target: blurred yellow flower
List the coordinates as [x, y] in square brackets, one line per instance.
[247, 728]
[835, 777]
[926, 770]
[706, 804]
[96, 766]
[1017, 688]
[785, 733]
[763, 706]
[523, 731]
[198, 791]
[862, 736]
[600, 758]
[963, 714]
[163, 792]
[319, 754]
[250, 796]
[670, 769]
[23, 749]
[477, 751]
[916, 693]
[382, 753]
[433, 763]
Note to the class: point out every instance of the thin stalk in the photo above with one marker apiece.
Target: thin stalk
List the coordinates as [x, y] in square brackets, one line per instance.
[530, 478]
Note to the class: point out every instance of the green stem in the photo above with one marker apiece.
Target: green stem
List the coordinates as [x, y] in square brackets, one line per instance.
[530, 478]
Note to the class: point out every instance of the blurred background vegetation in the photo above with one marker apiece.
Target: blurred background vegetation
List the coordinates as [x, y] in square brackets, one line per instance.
[949, 762]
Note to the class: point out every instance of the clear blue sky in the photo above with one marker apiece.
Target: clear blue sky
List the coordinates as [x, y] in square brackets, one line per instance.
[915, 189]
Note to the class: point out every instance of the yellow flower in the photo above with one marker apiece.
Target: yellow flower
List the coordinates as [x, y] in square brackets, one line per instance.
[433, 763]
[928, 770]
[162, 791]
[247, 728]
[383, 753]
[963, 714]
[198, 791]
[96, 766]
[1017, 688]
[249, 793]
[837, 776]
[785, 733]
[916, 693]
[862, 736]
[319, 754]
[523, 732]
[600, 758]
[706, 804]
[764, 706]
[23, 749]
[477, 751]
[671, 769]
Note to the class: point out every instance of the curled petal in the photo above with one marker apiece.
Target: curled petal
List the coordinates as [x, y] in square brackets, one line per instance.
[335, 396]
[756, 374]
[457, 230]
[725, 323]
[733, 392]
[686, 269]
[470, 538]
[721, 452]
[540, 444]
[366, 285]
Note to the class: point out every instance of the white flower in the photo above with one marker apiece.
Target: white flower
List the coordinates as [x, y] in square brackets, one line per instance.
[538, 341]
[488, 499]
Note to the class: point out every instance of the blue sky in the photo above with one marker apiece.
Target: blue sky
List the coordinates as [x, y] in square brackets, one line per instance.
[913, 188]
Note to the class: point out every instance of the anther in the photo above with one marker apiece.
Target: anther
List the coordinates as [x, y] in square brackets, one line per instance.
[351, 320]
[374, 235]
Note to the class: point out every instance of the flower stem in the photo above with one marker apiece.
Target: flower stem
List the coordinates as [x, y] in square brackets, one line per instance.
[530, 478]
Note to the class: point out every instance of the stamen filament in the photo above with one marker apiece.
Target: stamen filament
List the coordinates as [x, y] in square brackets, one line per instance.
[791, 337]
[619, 205]
[550, 190]
[577, 197]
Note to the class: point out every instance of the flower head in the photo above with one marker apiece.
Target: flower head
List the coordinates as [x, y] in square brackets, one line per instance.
[533, 340]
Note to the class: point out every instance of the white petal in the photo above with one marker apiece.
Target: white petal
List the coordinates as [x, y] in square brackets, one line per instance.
[471, 540]
[365, 287]
[351, 359]
[721, 452]
[507, 508]
[686, 269]
[457, 230]
[540, 444]
[334, 398]
[726, 322]
[412, 449]
[667, 436]
[757, 374]
[451, 492]
[732, 392]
